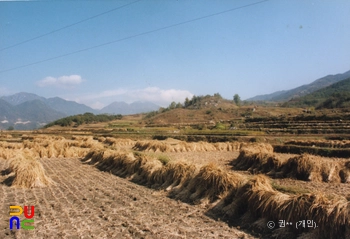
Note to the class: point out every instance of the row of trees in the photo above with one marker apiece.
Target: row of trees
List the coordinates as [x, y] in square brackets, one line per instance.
[86, 118]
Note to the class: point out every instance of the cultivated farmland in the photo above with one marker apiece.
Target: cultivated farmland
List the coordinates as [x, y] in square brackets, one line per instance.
[103, 186]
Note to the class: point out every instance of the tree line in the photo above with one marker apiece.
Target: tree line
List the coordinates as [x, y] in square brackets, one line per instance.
[86, 118]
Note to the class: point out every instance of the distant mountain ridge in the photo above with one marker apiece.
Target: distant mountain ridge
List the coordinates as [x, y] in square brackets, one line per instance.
[133, 108]
[21, 97]
[303, 90]
[68, 107]
[29, 111]
[56, 103]
[27, 115]
[267, 97]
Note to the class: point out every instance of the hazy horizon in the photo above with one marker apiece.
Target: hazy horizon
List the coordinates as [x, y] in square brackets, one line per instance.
[96, 53]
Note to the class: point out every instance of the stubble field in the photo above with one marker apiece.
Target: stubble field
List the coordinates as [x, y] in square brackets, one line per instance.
[87, 203]
[122, 188]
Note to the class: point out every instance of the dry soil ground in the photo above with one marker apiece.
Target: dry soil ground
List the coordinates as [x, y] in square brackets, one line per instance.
[88, 203]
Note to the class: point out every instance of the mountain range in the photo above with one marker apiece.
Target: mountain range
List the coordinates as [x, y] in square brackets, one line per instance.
[29, 111]
[285, 95]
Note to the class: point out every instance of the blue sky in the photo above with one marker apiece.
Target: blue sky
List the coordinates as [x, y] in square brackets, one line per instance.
[258, 49]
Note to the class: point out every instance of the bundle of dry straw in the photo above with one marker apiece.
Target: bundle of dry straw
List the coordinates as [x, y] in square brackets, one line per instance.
[28, 172]
[181, 146]
[259, 159]
[236, 194]
[210, 183]
[43, 146]
[184, 181]
[257, 197]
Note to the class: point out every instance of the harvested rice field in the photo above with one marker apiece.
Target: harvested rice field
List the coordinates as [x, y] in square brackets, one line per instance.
[88, 203]
[104, 187]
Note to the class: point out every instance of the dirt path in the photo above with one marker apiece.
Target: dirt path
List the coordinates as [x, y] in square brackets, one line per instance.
[87, 203]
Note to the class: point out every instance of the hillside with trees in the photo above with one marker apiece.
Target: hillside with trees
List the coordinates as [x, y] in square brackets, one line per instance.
[333, 96]
[86, 118]
[286, 95]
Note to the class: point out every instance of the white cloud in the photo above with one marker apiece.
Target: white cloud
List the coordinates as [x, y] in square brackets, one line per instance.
[4, 91]
[108, 93]
[97, 105]
[66, 82]
[162, 97]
